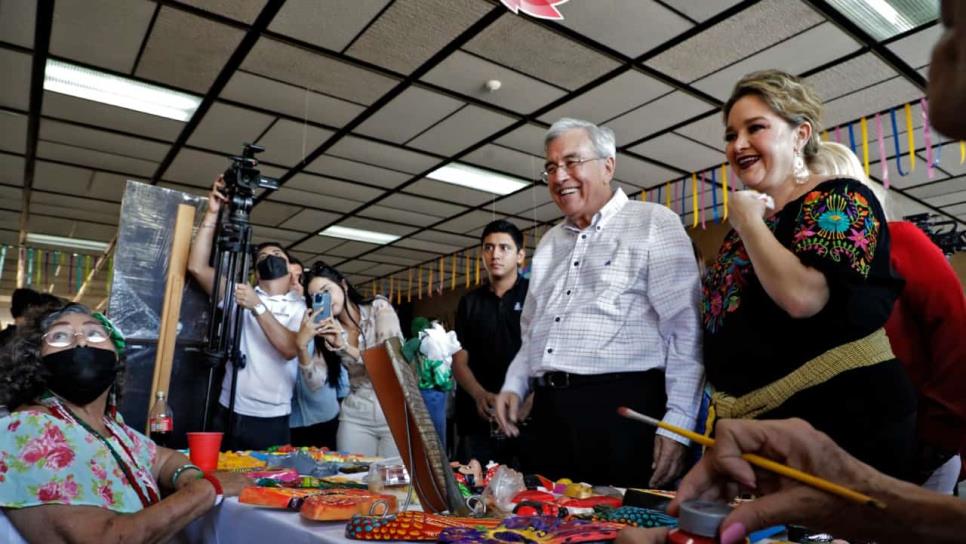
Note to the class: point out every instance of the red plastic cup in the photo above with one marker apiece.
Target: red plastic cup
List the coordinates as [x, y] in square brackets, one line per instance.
[203, 450]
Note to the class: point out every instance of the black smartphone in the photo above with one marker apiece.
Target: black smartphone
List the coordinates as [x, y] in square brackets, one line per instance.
[322, 301]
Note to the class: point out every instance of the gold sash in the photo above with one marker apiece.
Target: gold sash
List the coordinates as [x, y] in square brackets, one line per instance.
[868, 351]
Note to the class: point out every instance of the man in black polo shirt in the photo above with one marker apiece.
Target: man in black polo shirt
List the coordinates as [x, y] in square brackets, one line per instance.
[488, 327]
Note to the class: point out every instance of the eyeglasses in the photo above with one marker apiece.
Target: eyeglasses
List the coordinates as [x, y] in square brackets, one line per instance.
[62, 337]
[571, 165]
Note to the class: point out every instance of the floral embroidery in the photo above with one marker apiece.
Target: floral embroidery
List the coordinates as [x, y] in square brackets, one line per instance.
[98, 470]
[107, 494]
[840, 226]
[58, 491]
[723, 282]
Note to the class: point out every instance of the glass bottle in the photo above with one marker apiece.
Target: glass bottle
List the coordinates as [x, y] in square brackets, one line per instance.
[161, 421]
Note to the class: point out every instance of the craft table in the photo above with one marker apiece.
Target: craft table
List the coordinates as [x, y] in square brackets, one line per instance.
[233, 523]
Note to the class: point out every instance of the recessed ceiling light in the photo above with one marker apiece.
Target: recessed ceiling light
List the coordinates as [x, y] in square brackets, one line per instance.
[883, 19]
[359, 235]
[477, 178]
[69, 79]
[68, 243]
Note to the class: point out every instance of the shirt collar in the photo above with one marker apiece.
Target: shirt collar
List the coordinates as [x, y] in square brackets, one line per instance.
[290, 296]
[604, 215]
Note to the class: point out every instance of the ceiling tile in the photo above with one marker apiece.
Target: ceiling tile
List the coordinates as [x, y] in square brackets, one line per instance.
[709, 131]
[332, 187]
[377, 226]
[129, 146]
[17, 22]
[411, 31]
[432, 247]
[314, 200]
[290, 100]
[611, 99]
[947, 199]
[681, 152]
[876, 98]
[316, 72]
[288, 142]
[424, 206]
[328, 165]
[61, 178]
[824, 43]
[13, 132]
[386, 156]
[455, 193]
[245, 11]
[512, 40]
[318, 244]
[655, 116]
[701, 11]
[468, 74]
[730, 40]
[524, 202]
[528, 138]
[398, 255]
[351, 249]
[524, 166]
[547, 212]
[940, 188]
[102, 115]
[628, 26]
[455, 240]
[331, 25]
[105, 33]
[272, 213]
[11, 169]
[15, 93]
[269, 234]
[196, 168]
[309, 220]
[413, 111]
[469, 221]
[461, 130]
[107, 186]
[641, 173]
[957, 210]
[916, 49]
[187, 51]
[400, 216]
[200, 192]
[224, 127]
[850, 76]
[96, 159]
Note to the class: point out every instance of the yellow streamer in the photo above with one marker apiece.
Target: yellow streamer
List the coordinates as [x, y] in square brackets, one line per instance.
[865, 144]
[429, 282]
[452, 283]
[694, 199]
[825, 137]
[479, 259]
[419, 284]
[467, 259]
[724, 191]
[643, 195]
[962, 151]
[391, 286]
[667, 194]
[442, 273]
[912, 139]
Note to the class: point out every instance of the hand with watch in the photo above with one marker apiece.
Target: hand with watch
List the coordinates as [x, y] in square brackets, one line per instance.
[246, 297]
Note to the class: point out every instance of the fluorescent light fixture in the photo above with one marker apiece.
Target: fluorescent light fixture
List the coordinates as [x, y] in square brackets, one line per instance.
[359, 235]
[477, 178]
[883, 19]
[69, 79]
[69, 243]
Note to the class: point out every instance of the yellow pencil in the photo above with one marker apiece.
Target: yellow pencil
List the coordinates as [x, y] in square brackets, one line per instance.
[761, 462]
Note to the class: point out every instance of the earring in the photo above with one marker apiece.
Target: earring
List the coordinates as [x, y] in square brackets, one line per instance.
[799, 170]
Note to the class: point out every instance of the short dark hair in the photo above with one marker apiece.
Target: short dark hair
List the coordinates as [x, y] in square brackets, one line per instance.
[295, 261]
[504, 226]
[257, 249]
[22, 299]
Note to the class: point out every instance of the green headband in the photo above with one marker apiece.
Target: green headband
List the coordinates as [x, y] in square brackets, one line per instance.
[115, 335]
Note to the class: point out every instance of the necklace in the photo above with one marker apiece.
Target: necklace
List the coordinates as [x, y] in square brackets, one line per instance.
[147, 496]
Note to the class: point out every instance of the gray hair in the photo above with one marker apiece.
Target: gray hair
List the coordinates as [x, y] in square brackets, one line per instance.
[602, 138]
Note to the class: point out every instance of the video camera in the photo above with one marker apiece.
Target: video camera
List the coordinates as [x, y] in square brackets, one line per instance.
[241, 180]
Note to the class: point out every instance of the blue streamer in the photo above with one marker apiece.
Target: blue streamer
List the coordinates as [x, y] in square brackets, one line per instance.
[851, 138]
[895, 142]
[684, 186]
[714, 195]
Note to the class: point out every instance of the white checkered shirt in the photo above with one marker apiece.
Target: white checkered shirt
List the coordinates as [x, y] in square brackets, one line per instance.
[618, 296]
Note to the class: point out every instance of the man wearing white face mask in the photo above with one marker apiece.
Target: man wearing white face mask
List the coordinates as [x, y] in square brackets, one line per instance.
[263, 398]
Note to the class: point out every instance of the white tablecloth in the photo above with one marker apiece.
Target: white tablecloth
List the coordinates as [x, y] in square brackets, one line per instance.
[239, 523]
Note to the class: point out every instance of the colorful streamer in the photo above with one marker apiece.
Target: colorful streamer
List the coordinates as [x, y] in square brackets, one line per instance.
[467, 257]
[452, 283]
[694, 200]
[419, 284]
[714, 197]
[882, 156]
[927, 138]
[684, 185]
[852, 139]
[704, 182]
[895, 142]
[667, 195]
[643, 195]
[724, 191]
[3, 259]
[911, 133]
[429, 282]
[962, 151]
[479, 259]
[865, 145]
[838, 134]
[825, 137]
[38, 267]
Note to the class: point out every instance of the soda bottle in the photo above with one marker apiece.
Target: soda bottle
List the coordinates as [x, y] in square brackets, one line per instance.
[161, 421]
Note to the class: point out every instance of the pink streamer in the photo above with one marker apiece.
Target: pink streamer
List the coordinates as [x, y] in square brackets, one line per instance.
[838, 134]
[927, 136]
[882, 154]
[704, 185]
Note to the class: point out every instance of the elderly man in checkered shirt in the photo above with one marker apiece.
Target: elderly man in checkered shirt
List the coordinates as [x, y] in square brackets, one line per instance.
[610, 319]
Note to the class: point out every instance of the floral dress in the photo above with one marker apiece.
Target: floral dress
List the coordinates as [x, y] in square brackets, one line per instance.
[45, 459]
[837, 228]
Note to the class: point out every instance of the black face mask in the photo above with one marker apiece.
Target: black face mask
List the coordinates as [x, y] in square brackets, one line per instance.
[272, 268]
[79, 374]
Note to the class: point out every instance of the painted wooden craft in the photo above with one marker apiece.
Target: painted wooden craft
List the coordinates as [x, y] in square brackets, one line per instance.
[635, 516]
[274, 497]
[340, 505]
[535, 530]
[410, 526]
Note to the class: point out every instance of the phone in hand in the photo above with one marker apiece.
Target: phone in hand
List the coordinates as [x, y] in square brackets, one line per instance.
[322, 301]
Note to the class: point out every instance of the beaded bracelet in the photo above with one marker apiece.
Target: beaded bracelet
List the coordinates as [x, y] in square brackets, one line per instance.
[179, 470]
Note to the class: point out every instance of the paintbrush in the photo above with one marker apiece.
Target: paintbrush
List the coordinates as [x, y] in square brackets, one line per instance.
[761, 462]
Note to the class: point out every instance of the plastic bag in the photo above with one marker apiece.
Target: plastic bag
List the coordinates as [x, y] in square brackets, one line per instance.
[503, 486]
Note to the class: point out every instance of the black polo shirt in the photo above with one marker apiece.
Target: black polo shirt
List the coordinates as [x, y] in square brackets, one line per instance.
[488, 327]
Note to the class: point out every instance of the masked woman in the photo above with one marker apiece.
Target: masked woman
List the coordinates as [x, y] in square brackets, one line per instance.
[69, 466]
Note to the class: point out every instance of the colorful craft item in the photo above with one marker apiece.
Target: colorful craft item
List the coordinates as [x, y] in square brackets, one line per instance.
[410, 526]
[537, 482]
[590, 502]
[578, 491]
[534, 496]
[281, 476]
[238, 460]
[635, 516]
[534, 530]
[339, 505]
[535, 508]
[274, 497]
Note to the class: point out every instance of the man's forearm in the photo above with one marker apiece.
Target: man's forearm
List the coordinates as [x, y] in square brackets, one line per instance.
[201, 251]
[464, 376]
[282, 339]
[913, 514]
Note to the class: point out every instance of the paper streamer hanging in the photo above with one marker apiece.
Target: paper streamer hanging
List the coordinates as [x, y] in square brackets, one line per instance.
[714, 196]
[442, 273]
[479, 259]
[78, 267]
[704, 182]
[38, 267]
[882, 156]
[643, 195]
[466, 255]
[895, 142]
[419, 284]
[409, 287]
[962, 151]
[694, 200]
[911, 134]
[865, 145]
[838, 134]
[429, 282]
[927, 138]
[852, 139]
[724, 191]
[110, 271]
[452, 284]
[667, 194]
[825, 137]
[30, 266]
[684, 185]
[3, 259]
